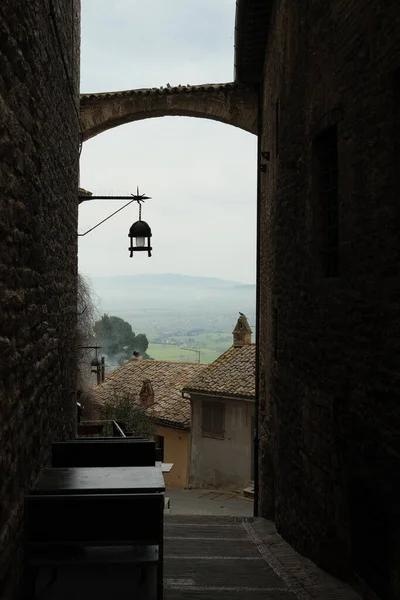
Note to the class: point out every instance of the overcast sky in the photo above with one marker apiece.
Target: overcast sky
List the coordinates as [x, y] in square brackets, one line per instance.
[200, 174]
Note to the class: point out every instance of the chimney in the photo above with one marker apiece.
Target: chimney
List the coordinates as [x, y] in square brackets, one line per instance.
[242, 332]
[146, 395]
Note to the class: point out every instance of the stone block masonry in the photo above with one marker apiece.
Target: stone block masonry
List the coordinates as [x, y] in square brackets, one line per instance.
[330, 341]
[229, 103]
[39, 153]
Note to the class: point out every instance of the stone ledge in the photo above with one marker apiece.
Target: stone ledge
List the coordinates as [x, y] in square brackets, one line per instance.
[248, 492]
[302, 576]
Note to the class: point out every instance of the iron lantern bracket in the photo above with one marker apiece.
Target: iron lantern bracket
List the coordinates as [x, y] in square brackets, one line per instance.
[139, 198]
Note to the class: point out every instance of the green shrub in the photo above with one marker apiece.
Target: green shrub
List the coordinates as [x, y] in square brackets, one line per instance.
[122, 407]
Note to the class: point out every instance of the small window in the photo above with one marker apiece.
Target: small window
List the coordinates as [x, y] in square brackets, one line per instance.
[213, 419]
[326, 154]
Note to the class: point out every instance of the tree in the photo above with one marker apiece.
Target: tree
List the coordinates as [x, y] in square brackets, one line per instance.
[85, 310]
[115, 335]
[121, 407]
[85, 337]
[117, 338]
[141, 343]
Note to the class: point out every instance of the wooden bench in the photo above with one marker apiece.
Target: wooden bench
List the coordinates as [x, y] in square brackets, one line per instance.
[122, 452]
[83, 529]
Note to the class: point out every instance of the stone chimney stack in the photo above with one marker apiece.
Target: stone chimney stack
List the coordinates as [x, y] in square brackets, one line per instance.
[146, 395]
[242, 332]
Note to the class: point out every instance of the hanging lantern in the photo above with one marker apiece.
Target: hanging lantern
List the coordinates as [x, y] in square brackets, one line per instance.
[95, 364]
[139, 231]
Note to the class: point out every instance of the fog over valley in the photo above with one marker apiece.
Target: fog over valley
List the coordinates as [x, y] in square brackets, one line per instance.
[179, 310]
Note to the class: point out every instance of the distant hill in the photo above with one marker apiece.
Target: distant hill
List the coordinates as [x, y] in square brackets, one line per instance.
[171, 303]
[169, 279]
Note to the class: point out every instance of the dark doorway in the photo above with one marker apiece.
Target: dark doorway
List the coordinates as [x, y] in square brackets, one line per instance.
[159, 440]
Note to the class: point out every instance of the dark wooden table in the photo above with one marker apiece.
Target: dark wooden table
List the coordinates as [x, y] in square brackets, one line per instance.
[100, 480]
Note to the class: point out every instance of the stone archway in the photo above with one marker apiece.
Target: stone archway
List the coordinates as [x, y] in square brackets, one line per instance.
[229, 103]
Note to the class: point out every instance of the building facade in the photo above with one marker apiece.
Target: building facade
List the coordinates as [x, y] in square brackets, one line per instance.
[175, 442]
[156, 385]
[39, 153]
[223, 417]
[221, 445]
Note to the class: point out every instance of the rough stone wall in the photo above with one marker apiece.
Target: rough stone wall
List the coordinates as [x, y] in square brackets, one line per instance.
[330, 347]
[39, 143]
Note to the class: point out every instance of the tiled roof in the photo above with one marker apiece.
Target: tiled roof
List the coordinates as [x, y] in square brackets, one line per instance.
[167, 378]
[232, 374]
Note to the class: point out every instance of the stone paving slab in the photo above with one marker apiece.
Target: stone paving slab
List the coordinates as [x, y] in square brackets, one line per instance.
[216, 571]
[209, 502]
[211, 518]
[195, 531]
[227, 594]
[245, 549]
[233, 567]
[278, 573]
[213, 557]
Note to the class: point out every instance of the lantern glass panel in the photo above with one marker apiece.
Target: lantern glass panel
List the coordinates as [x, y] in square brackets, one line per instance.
[140, 242]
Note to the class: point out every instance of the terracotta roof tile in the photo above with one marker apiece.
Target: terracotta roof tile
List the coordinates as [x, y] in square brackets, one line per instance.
[232, 374]
[167, 378]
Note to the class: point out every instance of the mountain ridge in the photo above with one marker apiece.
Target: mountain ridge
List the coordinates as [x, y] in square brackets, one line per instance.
[171, 279]
[173, 304]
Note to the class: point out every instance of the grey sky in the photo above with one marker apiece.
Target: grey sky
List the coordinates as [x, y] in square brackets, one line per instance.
[200, 174]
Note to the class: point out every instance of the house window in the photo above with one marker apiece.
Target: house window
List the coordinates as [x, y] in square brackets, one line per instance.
[213, 419]
[327, 180]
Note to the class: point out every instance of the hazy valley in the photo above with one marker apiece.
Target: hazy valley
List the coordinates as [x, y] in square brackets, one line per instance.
[176, 311]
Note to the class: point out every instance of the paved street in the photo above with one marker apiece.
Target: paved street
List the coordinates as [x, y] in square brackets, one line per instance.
[206, 502]
[215, 549]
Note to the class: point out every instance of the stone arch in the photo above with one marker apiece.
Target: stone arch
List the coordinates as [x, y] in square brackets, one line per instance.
[229, 103]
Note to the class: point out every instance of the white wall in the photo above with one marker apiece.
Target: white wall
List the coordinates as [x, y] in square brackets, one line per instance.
[222, 463]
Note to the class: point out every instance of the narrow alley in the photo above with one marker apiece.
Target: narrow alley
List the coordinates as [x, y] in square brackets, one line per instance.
[267, 135]
[217, 555]
[214, 557]
[208, 553]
